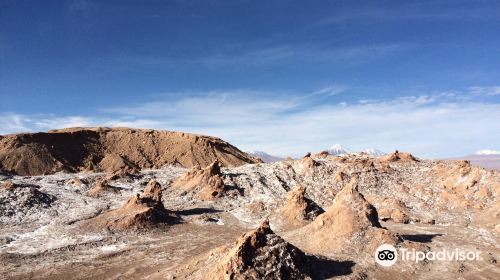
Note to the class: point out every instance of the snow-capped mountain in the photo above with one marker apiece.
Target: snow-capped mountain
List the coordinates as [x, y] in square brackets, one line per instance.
[338, 149]
[374, 152]
[265, 157]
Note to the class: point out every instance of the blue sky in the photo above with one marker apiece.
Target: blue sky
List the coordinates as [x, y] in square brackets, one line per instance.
[285, 77]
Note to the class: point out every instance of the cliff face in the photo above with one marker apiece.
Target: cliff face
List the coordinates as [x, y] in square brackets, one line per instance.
[103, 149]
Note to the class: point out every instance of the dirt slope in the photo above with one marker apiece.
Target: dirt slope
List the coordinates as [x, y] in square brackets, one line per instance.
[107, 149]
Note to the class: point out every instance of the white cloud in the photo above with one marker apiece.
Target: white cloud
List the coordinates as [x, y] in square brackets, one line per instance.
[15, 123]
[428, 125]
[487, 152]
[330, 90]
[11, 122]
[284, 123]
[485, 91]
[243, 56]
[48, 122]
[411, 10]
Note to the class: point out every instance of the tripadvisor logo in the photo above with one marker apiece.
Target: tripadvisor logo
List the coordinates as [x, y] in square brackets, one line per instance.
[386, 255]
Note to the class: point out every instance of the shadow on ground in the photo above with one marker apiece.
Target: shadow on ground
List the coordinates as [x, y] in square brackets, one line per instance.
[421, 238]
[197, 211]
[322, 268]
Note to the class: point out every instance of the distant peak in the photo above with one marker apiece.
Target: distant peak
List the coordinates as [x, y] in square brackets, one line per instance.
[338, 146]
[258, 153]
[338, 149]
[374, 152]
[265, 157]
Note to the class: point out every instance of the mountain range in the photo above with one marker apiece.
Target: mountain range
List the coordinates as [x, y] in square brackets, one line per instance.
[265, 157]
[338, 149]
[489, 159]
[335, 150]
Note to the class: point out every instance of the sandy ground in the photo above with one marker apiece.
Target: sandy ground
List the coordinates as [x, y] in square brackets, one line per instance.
[157, 255]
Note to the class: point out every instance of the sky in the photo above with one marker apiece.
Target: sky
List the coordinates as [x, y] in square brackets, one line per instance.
[284, 77]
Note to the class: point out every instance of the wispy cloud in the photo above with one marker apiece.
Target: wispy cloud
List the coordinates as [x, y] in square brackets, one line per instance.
[421, 11]
[16, 123]
[12, 122]
[485, 91]
[284, 123]
[329, 90]
[242, 56]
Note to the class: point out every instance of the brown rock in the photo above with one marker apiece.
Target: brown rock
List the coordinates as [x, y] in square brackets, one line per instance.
[307, 163]
[153, 191]
[261, 254]
[113, 163]
[100, 188]
[76, 182]
[399, 216]
[298, 210]
[140, 211]
[322, 154]
[77, 149]
[127, 173]
[9, 185]
[349, 224]
[257, 208]
[391, 209]
[339, 176]
[206, 182]
[490, 217]
[398, 156]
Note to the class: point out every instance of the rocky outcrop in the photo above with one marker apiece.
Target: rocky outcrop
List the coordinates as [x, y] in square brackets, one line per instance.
[112, 163]
[124, 174]
[18, 200]
[298, 210]
[206, 182]
[8, 185]
[305, 165]
[140, 211]
[111, 149]
[390, 209]
[322, 154]
[351, 223]
[261, 254]
[100, 188]
[398, 156]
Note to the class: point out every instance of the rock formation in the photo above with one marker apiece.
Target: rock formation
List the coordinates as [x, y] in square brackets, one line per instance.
[398, 156]
[207, 182]
[351, 223]
[390, 209]
[112, 163]
[126, 173]
[306, 164]
[110, 149]
[140, 211]
[322, 154]
[9, 185]
[17, 200]
[261, 254]
[101, 187]
[298, 209]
